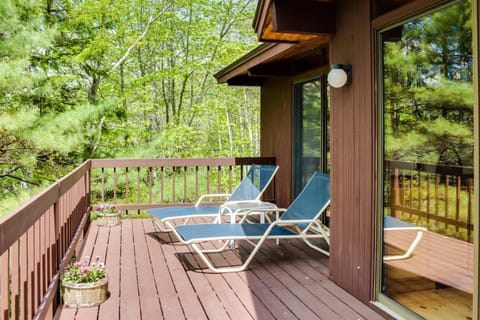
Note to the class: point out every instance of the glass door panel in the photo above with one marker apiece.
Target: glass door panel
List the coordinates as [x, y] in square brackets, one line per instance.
[428, 145]
[311, 130]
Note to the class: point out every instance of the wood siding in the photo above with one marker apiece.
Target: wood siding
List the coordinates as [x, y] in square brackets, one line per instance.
[353, 154]
[277, 135]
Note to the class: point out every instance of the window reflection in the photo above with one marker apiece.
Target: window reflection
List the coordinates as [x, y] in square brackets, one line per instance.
[428, 163]
[311, 130]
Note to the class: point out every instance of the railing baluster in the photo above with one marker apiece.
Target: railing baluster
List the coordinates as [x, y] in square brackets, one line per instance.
[420, 186]
[5, 293]
[230, 179]
[115, 185]
[15, 280]
[23, 278]
[208, 179]
[396, 190]
[470, 206]
[437, 197]
[138, 186]
[196, 183]
[403, 192]
[36, 265]
[103, 185]
[126, 185]
[173, 184]
[428, 198]
[31, 271]
[161, 185]
[185, 184]
[43, 254]
[457, 202]
[149, 184]
[447, 184]
[219, 179]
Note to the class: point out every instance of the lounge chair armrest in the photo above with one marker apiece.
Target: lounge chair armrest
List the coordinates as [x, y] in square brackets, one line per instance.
[211, 195]
[260, 210]
[291, 222]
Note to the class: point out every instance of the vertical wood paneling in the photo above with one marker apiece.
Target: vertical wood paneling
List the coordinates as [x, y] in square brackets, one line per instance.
[277, 136]
[353, 153]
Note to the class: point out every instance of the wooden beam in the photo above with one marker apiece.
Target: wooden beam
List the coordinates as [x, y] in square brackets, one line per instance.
[274, 69]
[261, 17]
[304, 17]
[257, 56]
[245, 81]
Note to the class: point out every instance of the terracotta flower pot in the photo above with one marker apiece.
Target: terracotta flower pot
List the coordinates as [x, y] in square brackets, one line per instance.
[80, 295]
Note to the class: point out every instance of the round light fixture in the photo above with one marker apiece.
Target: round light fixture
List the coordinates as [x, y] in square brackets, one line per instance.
[339, 75]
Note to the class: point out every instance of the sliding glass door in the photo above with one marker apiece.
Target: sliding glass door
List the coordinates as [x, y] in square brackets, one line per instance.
[427, 125]
[311, 130]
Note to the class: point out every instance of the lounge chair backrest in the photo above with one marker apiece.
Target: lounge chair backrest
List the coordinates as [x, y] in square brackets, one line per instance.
[254, 183]
[312, 201]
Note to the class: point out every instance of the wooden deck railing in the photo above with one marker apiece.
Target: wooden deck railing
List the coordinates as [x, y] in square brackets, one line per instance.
[40, 238]
[36, 241]
[148, 183]
[437, 196]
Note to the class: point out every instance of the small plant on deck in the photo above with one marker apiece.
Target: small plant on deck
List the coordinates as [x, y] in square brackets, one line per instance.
[107, 209]
[82, 271]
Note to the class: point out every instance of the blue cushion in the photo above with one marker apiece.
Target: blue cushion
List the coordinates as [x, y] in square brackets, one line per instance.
[178, 212]
[391, 222]
[229, 231]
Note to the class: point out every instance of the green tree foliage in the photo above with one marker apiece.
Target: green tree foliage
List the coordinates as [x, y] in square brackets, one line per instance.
[86, 79]
[428, 88]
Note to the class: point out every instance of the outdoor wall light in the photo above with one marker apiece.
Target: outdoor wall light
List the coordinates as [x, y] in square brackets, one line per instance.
[340, 75]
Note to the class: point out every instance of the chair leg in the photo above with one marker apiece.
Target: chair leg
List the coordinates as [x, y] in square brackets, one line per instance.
[315, 247]
[409, 251]
[239, 268]
[158, 225]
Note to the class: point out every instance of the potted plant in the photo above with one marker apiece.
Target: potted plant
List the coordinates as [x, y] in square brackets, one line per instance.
[108, 215]
[84, 284]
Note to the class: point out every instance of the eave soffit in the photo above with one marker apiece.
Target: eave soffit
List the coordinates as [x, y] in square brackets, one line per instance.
[275, 60]
[294, 20]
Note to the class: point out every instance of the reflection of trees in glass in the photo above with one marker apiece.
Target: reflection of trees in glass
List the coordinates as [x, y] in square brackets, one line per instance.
[428, 90]
[312, 103]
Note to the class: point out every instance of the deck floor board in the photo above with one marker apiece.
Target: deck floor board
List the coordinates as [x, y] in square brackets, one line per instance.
[154, 277]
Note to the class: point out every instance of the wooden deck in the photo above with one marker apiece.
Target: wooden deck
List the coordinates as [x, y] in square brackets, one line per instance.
[152, 277]
[441, 259]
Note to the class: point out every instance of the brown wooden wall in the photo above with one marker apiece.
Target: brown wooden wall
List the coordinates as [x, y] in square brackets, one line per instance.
[353, 153]
[276, 140]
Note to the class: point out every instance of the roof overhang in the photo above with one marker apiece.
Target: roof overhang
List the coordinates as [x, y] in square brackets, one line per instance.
[296, 32]
[275, 60]
[294, 20]
[239, 70]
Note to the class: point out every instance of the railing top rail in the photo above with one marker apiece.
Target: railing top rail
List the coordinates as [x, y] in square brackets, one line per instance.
[17, 222]
[431, 168]
[190, 162]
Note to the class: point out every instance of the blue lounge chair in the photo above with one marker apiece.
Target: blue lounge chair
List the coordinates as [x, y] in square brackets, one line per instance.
[301, 220]
[246, 196]
[393, 224]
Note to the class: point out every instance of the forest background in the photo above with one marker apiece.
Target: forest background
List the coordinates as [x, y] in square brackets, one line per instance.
[84, 79]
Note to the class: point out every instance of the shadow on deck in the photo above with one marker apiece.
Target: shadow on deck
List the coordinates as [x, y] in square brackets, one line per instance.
[152, 277]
